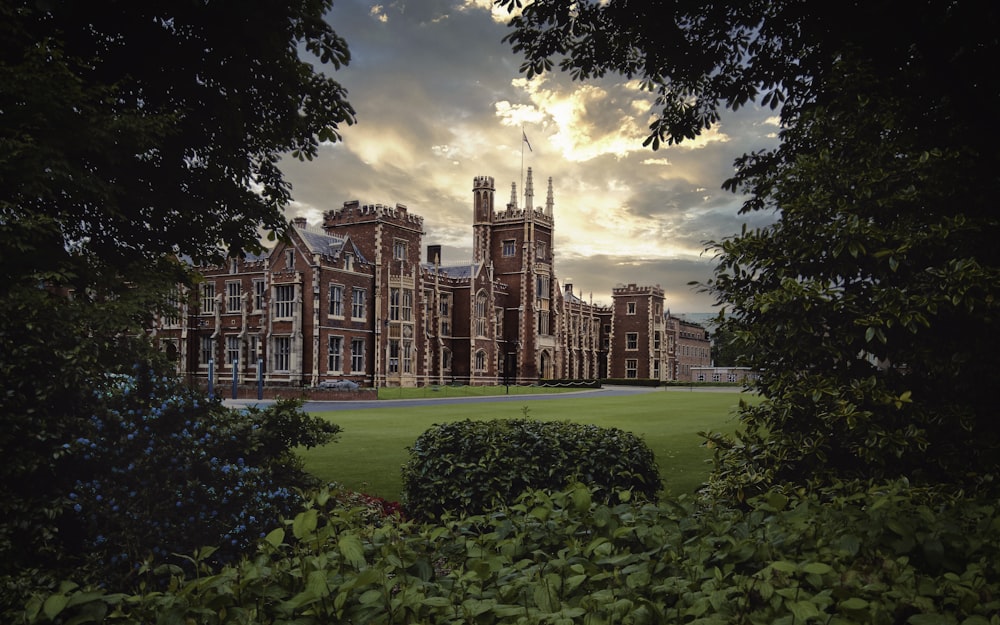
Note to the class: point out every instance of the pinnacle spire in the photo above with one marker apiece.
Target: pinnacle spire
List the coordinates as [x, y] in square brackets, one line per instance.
[549, 201]
[529, 193]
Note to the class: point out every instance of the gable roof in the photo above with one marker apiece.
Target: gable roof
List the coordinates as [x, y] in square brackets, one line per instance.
[328, 245]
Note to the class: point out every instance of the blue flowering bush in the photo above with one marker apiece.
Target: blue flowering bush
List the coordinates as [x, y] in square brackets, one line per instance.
[163, 471]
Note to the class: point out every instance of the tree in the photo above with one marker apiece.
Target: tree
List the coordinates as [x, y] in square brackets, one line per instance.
[131, 134]
[870, 306]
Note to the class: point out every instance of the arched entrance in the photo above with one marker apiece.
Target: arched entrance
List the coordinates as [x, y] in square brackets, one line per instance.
[545, 371]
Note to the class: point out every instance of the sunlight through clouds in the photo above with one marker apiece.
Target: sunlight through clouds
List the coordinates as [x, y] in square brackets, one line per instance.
[582, 121]
[440, 100]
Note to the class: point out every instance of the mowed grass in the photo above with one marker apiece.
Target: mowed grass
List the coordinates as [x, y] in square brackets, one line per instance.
[373, 446]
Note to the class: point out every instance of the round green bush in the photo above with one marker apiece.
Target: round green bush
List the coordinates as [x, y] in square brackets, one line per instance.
[469, 467]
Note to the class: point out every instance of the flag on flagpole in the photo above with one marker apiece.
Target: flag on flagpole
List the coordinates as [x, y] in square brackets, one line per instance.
[525, 137]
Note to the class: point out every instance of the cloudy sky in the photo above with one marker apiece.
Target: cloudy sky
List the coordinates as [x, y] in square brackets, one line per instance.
[439, 100]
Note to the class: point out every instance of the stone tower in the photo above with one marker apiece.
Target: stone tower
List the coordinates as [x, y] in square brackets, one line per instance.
[482, 193]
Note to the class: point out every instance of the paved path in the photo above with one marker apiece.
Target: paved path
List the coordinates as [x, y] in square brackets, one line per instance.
[608, 391]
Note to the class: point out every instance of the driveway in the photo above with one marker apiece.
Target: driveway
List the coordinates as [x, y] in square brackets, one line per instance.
[608, 391]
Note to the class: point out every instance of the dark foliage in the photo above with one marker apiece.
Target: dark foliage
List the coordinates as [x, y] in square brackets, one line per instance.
[870, 306]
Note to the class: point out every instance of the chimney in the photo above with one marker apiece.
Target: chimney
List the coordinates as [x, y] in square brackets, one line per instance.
[433, 254]
[299, 222]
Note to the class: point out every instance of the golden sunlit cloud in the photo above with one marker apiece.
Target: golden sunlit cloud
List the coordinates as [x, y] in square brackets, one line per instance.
[500, 15]
[378, 12]
[576, 118]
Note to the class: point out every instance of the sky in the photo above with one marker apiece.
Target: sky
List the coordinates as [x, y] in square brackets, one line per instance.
[440, 100]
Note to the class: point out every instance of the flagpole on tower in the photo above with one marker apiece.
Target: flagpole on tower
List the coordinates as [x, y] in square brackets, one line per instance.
[524, 139]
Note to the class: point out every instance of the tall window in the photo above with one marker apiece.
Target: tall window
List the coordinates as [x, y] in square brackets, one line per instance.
[234, 296]
[480, 361]
[284, 300]
[393, 355]
[232, 350]
[407, 305]
[540, 250]
[631, 368]
[542, 287]
[656, 369]
[407, 356]
[656, 339]
[258, 295]
[172, 310]
[253, 352]
[336, 300]
[282, 353]
[509, 247]
[630, 308]
[358, 303]
[208, 298]
[481, 314]
[207, 351]
[357, 355]
[335, 358]
[632, 340]
[394, 304]
[446, 360]
[399, 249]
[289, 260]
[543, 322]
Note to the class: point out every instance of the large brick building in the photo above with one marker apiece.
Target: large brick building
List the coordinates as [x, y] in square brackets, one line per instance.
[354, 298]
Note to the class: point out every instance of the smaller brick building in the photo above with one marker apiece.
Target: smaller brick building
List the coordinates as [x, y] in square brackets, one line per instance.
[688, 347]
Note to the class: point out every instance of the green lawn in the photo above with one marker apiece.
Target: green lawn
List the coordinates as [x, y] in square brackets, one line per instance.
[373, 445]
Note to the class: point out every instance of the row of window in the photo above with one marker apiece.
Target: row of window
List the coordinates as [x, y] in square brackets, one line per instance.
[358, 302]
[233, 296]
[692, 350]
[717, 377]
[335, 354]
[282, 352]
[284, 299]
[510, 249]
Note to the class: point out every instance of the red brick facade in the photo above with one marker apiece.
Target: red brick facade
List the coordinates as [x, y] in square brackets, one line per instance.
[353, 300]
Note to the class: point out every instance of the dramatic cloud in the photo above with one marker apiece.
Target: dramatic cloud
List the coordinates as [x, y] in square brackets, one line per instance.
[440, 101]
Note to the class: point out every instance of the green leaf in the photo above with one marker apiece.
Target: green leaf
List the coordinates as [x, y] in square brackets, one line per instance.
[817, 568]
[784, 566]
[275, 537]
[854, 603]
[304, 523]
[54, 605]
[803, 610]
[351, 549]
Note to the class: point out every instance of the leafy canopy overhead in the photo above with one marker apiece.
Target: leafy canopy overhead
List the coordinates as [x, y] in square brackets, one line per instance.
[869, 307]
[130, 130]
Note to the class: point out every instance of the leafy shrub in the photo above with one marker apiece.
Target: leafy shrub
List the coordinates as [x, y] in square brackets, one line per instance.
[884, 554]
[468, 467]
[161, 470]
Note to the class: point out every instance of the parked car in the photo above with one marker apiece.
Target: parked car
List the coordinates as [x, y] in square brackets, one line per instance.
[339, 385]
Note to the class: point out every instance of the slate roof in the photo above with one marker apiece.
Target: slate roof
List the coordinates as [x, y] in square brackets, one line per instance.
[455, 272]
[326, 245]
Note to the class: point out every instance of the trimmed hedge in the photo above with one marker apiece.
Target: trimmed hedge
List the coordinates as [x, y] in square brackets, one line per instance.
[470, 467]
